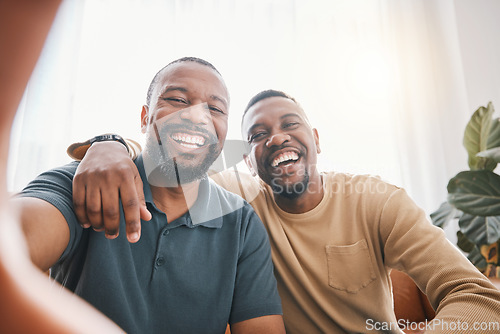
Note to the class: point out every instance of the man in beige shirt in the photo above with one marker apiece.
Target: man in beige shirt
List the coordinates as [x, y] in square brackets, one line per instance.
[334, 236]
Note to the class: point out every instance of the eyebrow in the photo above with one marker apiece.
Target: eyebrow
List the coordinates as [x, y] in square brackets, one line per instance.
[281, 118]
[220, 99]
[185, 90]
[173, 88]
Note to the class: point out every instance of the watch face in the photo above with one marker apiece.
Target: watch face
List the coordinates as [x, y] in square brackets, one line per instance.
[105, 138]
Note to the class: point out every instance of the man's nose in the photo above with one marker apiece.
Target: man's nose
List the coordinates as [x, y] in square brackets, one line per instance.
[197, 114]
[278, 139]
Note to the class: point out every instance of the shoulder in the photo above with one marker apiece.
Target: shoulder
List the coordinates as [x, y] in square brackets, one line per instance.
[65, 171]
[363, 185]
[54, 186]
[57, 179]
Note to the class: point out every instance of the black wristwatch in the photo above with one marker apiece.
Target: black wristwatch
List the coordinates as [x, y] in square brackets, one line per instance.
[109, 137]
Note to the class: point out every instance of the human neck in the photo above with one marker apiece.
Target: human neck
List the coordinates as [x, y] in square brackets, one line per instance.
[175, 201]
[306, 201]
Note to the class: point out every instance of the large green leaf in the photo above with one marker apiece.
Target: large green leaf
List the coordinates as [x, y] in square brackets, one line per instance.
[494, 135]
[444, 214]
[475, 192]
[493, 142]
[477, 137]
[480, 230]
[463, 243]
[475, 255]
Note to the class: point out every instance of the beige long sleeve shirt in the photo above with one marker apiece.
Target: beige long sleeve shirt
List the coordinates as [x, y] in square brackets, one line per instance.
[332, 263]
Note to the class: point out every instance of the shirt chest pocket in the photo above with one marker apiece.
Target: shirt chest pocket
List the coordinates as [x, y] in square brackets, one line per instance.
[350, 267]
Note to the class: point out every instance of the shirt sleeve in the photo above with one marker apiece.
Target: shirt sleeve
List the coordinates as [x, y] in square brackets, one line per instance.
[461, 295]
[255, 292]
[55, 187]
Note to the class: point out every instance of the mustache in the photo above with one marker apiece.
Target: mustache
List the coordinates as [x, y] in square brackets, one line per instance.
[163, 130]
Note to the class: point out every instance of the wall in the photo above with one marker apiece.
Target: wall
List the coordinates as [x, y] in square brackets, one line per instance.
[478, 24]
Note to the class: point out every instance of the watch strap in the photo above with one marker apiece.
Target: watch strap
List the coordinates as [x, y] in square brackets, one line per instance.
[109, 137]
[78, 150]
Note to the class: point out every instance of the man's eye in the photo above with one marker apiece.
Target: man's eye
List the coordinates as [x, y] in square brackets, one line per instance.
[216, 110]
[176, 99]
[290, 124]
[256, 136]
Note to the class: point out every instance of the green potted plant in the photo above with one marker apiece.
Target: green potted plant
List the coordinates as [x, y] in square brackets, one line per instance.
[474, 195]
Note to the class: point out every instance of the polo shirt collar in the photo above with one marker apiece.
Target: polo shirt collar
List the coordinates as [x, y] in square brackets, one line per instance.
[206, 210]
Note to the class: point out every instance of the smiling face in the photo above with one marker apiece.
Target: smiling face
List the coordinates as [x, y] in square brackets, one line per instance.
[283, 145]
[186, 122]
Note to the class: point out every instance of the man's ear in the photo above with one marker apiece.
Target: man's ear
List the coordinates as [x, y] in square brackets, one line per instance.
[249, 165]
[316, 140]
[144, 118]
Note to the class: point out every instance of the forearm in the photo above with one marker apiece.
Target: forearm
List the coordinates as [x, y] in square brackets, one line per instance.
[24, 26]
[28, 303]
[462, 294]
[473, 305]
[272, 324]
[455, 288]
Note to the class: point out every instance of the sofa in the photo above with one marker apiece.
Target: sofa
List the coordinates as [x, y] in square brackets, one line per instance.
[410, 304]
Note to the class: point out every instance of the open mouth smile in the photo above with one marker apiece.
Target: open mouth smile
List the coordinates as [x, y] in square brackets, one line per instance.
[285, 159]
[188, 140]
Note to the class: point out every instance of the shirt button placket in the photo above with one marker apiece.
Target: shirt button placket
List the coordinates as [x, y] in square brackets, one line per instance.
[160, 261]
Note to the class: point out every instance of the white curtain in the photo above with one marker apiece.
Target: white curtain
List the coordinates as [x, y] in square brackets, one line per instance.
[389, 84]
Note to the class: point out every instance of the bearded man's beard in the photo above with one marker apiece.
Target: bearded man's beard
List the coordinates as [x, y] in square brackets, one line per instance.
[165, 170]
[290, 190]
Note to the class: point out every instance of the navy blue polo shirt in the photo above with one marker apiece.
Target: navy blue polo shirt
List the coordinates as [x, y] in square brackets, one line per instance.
[192, 275]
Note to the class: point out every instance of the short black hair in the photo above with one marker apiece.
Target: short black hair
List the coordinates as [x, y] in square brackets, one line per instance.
[267, 94]
[180, 60]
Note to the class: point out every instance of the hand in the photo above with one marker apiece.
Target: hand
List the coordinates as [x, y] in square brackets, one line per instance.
[106, 175]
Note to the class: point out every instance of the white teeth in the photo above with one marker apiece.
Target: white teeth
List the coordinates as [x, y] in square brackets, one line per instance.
[284, 157]
[187, 139]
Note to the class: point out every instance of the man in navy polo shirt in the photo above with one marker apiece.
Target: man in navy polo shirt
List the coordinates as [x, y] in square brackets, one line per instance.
[202, 261]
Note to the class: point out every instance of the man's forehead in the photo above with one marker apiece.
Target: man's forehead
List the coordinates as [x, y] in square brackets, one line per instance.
[177, 69]
[188, 73]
